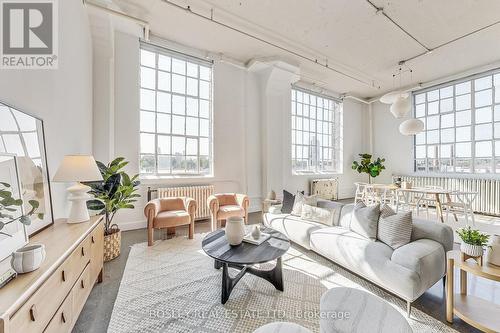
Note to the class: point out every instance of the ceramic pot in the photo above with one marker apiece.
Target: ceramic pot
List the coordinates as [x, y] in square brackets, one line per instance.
[494, 251]
[235, 230]
[271, 195]
[28, 259]
[471, 250]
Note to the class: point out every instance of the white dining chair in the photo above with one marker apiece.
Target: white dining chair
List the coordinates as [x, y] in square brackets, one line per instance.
[360, 194]
[461, 203]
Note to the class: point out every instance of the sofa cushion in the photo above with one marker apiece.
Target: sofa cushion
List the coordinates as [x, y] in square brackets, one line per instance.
[394, 229]
[425, 257]
[288, 201]
[365, 219]
[301, 199]
[317, 214]
[346, 216]
[296, 229]
[171, 218]
[334, 206]
[439, 232]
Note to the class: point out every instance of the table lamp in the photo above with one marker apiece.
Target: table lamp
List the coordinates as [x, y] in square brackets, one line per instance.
[78, 168]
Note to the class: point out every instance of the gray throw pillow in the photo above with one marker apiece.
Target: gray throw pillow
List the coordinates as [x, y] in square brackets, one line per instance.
[394, 229]
[364, 220]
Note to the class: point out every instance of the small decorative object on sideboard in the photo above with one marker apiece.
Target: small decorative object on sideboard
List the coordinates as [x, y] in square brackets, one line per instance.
[473, 243]
[256, 232]
[235, 230]
[116, 191]
[271, 195]
[493, 253]
[28, 259]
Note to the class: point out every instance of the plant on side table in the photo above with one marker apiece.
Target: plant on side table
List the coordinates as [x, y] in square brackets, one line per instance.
[366, 165]
[473, 242]
[116, 191]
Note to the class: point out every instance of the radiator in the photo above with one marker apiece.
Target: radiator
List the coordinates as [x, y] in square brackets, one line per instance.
[487, 200]
[200, 193]
[325, 188]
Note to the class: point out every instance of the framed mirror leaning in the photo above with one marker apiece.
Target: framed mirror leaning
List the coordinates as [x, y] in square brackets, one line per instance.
[22, 135]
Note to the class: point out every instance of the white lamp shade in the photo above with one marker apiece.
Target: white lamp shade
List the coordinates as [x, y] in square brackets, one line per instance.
[77, 168]
[400, 107]
[411, 127]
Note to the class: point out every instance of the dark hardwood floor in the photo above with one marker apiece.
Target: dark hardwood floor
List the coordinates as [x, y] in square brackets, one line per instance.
[96, 314]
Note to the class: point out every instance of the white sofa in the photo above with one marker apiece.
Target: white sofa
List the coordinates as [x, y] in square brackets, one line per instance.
[406, 272]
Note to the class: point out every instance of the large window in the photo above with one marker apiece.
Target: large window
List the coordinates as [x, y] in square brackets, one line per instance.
[462, 126]
[175, 114]
[316, 133]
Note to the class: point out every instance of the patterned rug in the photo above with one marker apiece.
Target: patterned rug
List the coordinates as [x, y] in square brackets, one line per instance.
[173, 287]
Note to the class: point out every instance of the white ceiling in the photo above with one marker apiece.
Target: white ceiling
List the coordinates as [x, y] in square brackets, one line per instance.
[349, 33]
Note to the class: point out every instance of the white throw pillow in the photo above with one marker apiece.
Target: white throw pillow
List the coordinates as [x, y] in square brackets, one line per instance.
[317, 214]
[301, 199]
[275, 209]
[394, 229]
[364, 220]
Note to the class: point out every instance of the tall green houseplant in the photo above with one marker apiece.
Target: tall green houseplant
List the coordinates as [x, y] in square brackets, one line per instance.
[116, 191]
[366, 165]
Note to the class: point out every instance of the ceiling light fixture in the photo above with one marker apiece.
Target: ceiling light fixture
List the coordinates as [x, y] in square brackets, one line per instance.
[400, 103]
[411, 126]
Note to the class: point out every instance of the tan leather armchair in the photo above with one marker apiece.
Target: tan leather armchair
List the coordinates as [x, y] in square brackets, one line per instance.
[224, 205]
[169, 213]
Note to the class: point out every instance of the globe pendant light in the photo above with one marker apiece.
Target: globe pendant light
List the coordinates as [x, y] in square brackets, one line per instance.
[400, 107]
[411, 127]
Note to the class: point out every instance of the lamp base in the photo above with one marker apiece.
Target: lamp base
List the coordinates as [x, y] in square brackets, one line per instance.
[78, 197]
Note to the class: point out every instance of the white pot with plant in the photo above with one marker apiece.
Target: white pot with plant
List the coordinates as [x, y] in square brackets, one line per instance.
[473, 241]
[116, 191]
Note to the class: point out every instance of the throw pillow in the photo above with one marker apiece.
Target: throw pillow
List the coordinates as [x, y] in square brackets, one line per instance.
[365, 219]
[317, 214]
[301, 199]
[394, 229]
[288, 201]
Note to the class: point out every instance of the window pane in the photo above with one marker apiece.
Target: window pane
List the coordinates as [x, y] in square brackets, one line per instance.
[462, 102]
[164, 81]
[164, 62]
[497, 112]
[147, 143]
[204, 127]
[463, 134]
[433, 108]
[483, 115]
[179, 104]
[179, 66]
[446, 151]
[163, 144]
[484, 149]
[446, 105]
[163, 102]
[147, 58]
[483, 165]
[483, 98]
[420, 98]
[420, 165]
[432, 122]
[147, 100]
[463, 165]
[482, 83]
[13, 144]
[164, 163]
[483, 132]
[447, 120]
[192, 69]
[420, 152]
[433, 136]
[497, 148]
[204, 146]
[462, 88]
[192, 107]
[147, 121]
[420, 138]
[163, 123]
[446, 165]
[178, 84]
[147, 164]
[432, 95]
[463, 149]
[192, 87]
[178, 125]
[497, 130]
[432, 151]
[205, 73]
[420, 110]
[448, 135]
[192, 126]
[192, 164]
[191, 146]
[148, 79]
[204, 90]
[463, 118]
[178, 145]
[446, 92]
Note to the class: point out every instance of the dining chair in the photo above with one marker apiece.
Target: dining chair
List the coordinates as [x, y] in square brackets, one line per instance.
[461, 203]
[360, 194]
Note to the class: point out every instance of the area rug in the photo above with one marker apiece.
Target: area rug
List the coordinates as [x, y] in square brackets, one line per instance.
[173, 287]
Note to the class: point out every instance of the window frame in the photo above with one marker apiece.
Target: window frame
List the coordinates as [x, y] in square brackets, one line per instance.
[494, 114]
[156, 171]
[319, 165]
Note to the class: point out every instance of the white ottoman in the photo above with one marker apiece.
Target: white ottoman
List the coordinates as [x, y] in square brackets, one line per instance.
[281, 328]
[351, 310]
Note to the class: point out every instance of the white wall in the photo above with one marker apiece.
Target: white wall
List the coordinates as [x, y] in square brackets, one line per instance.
[389, 143]
[61, 97]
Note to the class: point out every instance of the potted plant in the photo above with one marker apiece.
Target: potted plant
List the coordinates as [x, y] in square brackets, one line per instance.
[116, 191]
[473, 241]
[366, 165]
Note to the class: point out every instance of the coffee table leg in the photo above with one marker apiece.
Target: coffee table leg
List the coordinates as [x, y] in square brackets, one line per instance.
[217, 264]
[275, 275]
[228, 282]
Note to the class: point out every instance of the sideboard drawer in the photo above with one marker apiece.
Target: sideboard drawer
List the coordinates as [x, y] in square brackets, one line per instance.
[62, 322]
[96, 252]
[39, 309]
[81, 291]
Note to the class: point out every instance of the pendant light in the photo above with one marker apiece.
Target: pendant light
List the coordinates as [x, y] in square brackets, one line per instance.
[399, 100]
[411, 126]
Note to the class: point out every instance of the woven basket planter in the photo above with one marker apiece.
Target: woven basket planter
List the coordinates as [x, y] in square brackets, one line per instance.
[112, 244]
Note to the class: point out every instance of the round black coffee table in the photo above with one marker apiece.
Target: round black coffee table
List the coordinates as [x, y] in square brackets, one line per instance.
[244, 256]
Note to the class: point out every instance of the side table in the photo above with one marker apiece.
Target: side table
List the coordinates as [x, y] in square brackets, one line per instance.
[475, 311]
[267, 203]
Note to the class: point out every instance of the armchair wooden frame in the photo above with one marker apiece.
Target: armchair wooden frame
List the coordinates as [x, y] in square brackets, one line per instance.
[214, 203]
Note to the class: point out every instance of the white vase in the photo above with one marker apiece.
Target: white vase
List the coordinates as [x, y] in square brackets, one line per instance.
[256, 232]
[494, 251]
[235, 230]
[28, 258]
[471, 250]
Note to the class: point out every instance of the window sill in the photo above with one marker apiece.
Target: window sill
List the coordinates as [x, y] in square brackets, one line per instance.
[316, 174]
[152, 179]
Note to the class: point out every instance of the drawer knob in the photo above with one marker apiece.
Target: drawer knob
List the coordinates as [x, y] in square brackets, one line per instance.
[83, 252]
[64, 276]
[92, 239]
[33, 312]
[63, 317]
[83, 283]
